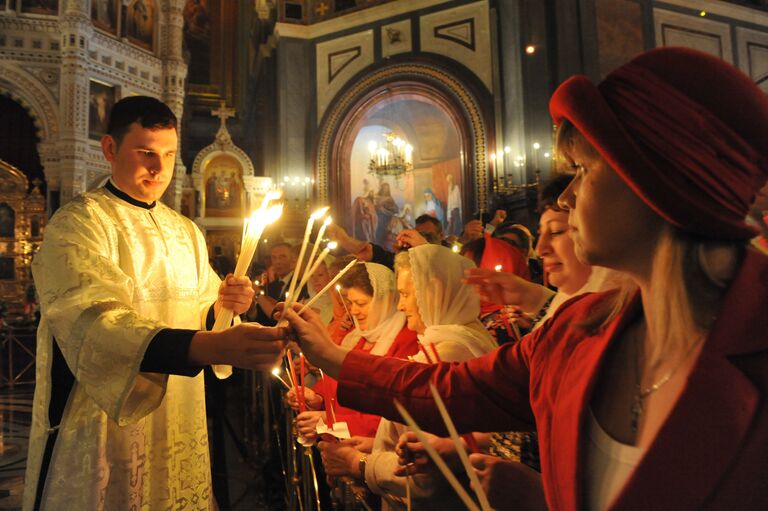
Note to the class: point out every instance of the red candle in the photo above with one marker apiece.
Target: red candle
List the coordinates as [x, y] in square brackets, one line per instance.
[300, 390]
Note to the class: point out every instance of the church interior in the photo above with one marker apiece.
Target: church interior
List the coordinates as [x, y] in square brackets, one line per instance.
[331, 102]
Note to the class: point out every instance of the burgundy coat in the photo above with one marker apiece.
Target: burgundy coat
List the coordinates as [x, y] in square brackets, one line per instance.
[711, 453]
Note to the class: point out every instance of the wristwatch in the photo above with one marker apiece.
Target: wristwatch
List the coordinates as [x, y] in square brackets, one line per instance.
[361, 466]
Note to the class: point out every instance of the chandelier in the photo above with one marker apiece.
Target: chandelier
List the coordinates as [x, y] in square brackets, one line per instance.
[392, 158]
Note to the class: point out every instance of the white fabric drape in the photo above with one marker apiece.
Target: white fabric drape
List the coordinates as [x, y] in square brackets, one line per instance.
[384, 321]
[448, 307]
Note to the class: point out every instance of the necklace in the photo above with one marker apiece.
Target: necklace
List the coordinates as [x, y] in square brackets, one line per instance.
[640, 394]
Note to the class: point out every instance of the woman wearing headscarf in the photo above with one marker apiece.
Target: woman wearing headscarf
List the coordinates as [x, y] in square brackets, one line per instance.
[444, 313]
[380, 329]
[628, 389]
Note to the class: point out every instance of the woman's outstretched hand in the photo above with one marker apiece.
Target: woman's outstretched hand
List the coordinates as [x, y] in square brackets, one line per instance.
[506, 289]
[309, 331]
[509, 484]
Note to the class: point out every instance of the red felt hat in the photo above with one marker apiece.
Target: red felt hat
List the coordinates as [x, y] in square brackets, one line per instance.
[687, 132]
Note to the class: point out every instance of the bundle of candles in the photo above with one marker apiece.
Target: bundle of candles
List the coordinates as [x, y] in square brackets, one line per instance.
[313, 262]
[253, 228]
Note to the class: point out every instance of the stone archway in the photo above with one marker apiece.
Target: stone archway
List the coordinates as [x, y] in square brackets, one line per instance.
[28, 91]
[415, 78]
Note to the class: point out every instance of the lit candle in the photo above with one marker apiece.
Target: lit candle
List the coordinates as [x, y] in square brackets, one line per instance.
[497, 267]
[329, 285]
[276, 374]
[312, 254]
[294, 278]
[252, 231]
[308, 274]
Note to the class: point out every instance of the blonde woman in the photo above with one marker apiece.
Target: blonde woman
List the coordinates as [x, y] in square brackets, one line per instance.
[653, 397]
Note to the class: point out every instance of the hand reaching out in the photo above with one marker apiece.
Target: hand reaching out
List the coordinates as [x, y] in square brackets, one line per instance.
[509, 484]
[235, 294]
[506, 288]
[314, 400]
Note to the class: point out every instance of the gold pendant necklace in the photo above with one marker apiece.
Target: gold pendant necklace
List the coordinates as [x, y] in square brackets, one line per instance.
[640, 394]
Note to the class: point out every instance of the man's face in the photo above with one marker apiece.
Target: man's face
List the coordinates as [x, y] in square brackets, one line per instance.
[282, 260]
[143, 161]
[429, 227]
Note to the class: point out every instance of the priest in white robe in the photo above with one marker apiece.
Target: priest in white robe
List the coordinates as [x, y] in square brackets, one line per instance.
[126, 293]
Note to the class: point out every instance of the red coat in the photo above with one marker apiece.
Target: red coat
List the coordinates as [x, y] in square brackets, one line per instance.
[361, 424]
[711, 453]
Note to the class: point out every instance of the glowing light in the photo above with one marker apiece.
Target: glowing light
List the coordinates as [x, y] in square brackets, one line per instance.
[497, 267]
[530, 49]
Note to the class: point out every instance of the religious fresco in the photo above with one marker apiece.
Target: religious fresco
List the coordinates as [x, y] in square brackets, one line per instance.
[139, 23]
[223, 188]
[48, 7]
[382, 206]
[104, 15]
[101, 98]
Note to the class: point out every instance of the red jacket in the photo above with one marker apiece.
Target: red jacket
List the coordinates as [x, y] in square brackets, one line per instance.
[360, 424]
[711, 453]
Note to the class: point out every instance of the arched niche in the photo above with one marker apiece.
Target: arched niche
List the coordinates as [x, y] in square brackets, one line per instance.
[465, 110]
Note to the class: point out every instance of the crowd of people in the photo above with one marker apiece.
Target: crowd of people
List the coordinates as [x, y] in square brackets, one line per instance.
[616, 362]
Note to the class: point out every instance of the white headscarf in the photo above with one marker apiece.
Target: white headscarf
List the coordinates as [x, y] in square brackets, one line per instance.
[384, 321]
[447, 306]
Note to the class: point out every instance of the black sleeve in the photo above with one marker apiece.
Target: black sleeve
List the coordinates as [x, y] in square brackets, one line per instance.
[168, 353]
[210, 319]
[382, 256]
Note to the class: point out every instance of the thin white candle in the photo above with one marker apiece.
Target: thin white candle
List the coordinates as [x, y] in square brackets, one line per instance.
[294, 278]
[447, 473]
[308, 274]
[329, 285]
[276, 374]
[316, 246]
[481, 496]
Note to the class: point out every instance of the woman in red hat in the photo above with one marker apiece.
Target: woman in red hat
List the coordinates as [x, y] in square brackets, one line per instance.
[655, 396]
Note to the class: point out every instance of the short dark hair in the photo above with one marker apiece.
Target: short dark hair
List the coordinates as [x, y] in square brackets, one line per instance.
[149, 112]
[281, 244]
[422, 219]
[358, 277]
[551, 190]
[522, 233]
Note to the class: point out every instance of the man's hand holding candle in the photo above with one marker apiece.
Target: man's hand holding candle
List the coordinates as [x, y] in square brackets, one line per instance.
[235, 294]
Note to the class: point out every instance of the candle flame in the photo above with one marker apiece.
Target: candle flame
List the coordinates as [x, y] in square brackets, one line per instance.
[273, 213]
[332, 245]
[497, 267]
[328, 221]
[320, 212]
[455, 248]
[338, 287]
[276, 371]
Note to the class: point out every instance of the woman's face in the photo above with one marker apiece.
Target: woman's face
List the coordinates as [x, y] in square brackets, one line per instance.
[407, 301]
[555, 248]
[610, 225]
[359, 305]
[320, 278]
